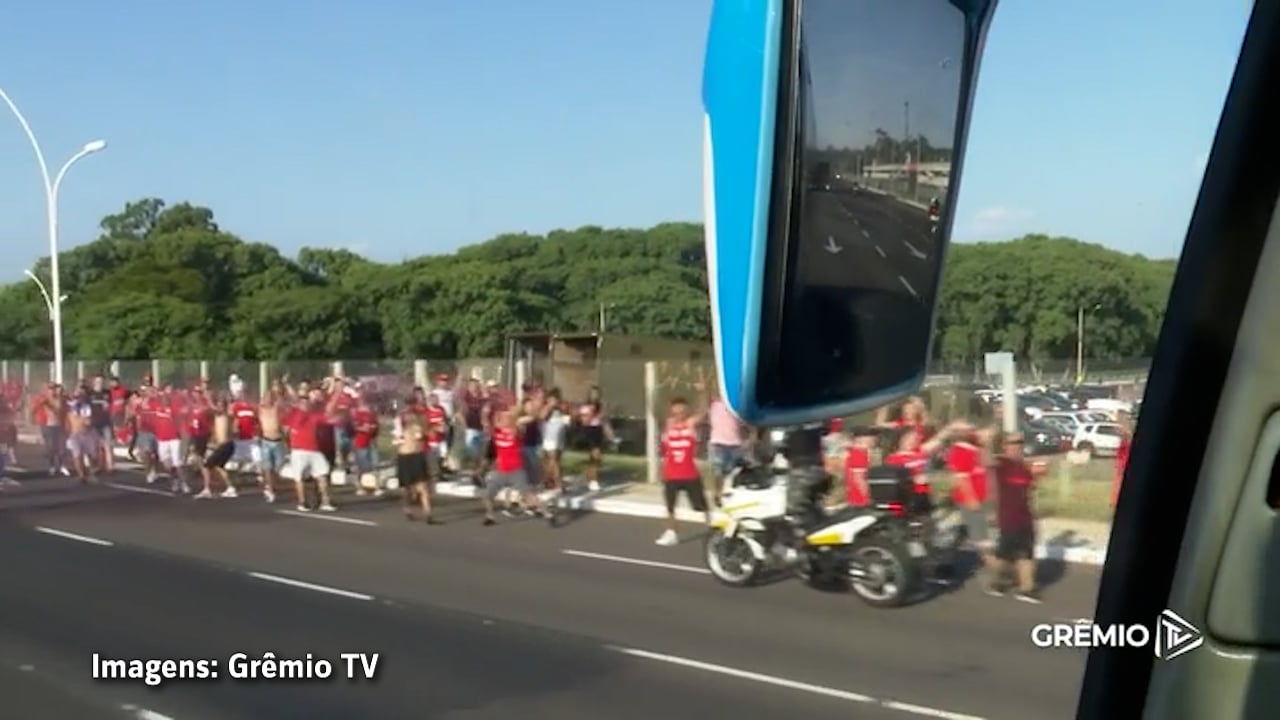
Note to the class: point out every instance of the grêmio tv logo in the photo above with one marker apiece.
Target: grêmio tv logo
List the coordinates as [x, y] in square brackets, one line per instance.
[1171, 636]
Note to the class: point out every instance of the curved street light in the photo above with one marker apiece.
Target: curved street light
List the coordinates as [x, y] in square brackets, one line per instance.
[44, 292]
[53, 297]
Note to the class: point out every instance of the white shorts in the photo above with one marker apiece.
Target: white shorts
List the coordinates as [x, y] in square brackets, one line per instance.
[305, 464]
[248, 453]
[169, 453]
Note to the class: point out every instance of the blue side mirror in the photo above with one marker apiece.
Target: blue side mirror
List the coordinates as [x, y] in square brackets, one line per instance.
[833, 139]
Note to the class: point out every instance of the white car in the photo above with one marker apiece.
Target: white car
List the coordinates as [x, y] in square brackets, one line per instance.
[1075, 418]
[1111, 406]
[1098, 438]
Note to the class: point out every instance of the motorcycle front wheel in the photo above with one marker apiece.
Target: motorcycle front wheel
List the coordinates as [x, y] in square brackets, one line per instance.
[730, 560]
[882, 573]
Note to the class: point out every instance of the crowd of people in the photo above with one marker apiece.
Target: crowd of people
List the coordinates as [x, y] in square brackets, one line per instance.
[305, 433]
[988, 468]
[510, 446]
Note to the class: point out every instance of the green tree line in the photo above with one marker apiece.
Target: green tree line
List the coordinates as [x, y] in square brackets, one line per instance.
[166, 281]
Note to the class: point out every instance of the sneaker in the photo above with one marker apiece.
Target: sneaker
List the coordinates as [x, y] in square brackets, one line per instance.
[204, 494]
[9, 482]
[593, 486]
[326, 507]
[993, 591]
[65, 472]
[1032, 597]
[152, 476]
[269, 495]
[303, 508]
[667, 538]
[230, 493]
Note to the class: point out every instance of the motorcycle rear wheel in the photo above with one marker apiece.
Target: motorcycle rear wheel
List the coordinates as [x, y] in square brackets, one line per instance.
[893, 573]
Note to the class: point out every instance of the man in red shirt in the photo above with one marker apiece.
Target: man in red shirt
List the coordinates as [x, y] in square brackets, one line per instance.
[967, 459]
[165, 425]
[680, 473]
[508, 467]
[364, 423]
[244, 418]
[306, 421]
[1015, 550]
[857, 463]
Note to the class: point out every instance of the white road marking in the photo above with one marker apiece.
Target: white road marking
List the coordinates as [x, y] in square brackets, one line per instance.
[143, 713]
[310, 586]
[330, 518]
[907, 285]
[919, 255]
[138, 489]
[805, 687]
[866, 234]
[72, 536]
[637, 561]
[881, 251]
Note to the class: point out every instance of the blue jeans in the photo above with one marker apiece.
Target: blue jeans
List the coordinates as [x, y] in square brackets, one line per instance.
[366, 459]
[533, 466]
[723, 457]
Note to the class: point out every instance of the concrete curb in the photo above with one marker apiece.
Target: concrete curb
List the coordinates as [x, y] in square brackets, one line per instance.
[593, 503]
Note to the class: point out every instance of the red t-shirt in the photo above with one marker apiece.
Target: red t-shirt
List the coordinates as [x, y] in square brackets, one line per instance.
[199, 420]
[506, 447]
[163, 422]
[304, 428]
[436, 423]
[856, 463]
[966, 459]
[146, 417]
[245, 416]
[679, 450]
[916, 462]
[1122, 462]
[365, 422]
[1014, 481]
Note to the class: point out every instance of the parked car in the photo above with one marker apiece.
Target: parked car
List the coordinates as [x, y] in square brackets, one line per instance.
[1040, 438]
[1099, 439]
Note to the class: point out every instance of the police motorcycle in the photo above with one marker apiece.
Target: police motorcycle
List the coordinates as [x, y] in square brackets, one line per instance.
[772, 518]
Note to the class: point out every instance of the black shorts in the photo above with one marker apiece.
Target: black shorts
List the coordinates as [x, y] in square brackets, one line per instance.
[417, 468]
[220, 456]
[1018, 544]
[198, 446]
[695, 490]
[593, 437]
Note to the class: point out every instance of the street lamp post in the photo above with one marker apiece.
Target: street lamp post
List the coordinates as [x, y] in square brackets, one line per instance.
[1080, 340]
[44, 292]
[53, 297]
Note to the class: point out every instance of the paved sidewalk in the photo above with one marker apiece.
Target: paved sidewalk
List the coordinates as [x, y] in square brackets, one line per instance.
[1069, 540]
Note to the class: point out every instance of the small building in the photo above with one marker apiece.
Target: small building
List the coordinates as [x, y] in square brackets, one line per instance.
[573, 362]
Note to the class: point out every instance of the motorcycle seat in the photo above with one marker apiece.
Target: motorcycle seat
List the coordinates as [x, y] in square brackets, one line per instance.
[844, 514]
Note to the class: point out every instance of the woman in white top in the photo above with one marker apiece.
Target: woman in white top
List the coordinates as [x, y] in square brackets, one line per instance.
[555, 423]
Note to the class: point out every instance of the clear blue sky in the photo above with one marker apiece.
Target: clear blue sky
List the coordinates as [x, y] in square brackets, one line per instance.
[402, 127]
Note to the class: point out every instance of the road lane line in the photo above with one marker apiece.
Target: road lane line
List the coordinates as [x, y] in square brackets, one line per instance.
[330, 518]
[919, 255]
[881, 251]
[637, 561]
[907, 285]
[866, 234]
[140, 713]
[812, 689]
[310, 586]
[926, 711]
[137, 489]
[72, 536]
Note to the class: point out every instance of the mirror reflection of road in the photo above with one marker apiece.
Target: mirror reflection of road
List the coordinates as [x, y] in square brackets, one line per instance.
[869, 240]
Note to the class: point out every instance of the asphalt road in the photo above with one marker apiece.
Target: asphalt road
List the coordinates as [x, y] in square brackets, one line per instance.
[520, 620]
[884, 244]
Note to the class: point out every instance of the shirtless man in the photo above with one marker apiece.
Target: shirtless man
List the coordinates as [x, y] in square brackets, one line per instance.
[271, 453]
[82, 439]
[53, 428]
[416, 467]
[224, 447]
